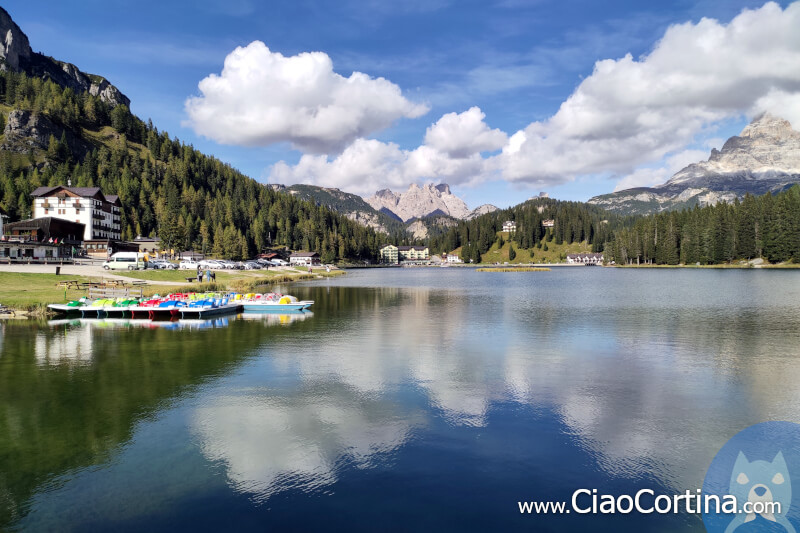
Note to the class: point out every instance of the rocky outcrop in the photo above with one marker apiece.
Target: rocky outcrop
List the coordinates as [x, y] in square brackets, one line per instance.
[370, 220]
[431, 225]
[481, 210]
[418, 230]
[25, 131]
[16, 54]
[764, 157]
[418, 202]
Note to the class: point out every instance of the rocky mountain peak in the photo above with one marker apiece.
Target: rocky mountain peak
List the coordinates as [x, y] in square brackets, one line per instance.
[764, 157]
[768, 127]
[14, 46]
[420, 201]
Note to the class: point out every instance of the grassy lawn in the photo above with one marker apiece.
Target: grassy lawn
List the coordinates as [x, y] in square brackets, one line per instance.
[178, 276]
[556, 253]
[33, 291]
[28, 291]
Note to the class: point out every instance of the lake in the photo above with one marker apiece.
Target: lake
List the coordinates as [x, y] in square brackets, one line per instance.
[409, 400]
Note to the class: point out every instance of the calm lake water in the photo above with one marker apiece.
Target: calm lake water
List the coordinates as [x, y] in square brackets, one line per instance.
[410, 400]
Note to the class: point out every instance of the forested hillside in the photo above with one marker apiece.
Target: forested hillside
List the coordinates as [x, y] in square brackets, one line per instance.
[167, 188]
[573, 222]
[766, 226]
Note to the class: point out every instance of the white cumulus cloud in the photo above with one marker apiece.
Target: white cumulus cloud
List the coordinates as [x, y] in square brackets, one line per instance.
[629, 118]
[452, 153]
[650, 176]
[634, 111]
[263, 97]
[463, 134]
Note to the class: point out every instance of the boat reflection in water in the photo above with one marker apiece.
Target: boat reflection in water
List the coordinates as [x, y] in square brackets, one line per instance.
[145, 323]
[89, 324]
[276, 319]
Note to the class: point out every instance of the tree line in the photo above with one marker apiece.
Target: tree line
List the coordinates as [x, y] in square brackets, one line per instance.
[167, 188]
[573, 222]
[765, 226]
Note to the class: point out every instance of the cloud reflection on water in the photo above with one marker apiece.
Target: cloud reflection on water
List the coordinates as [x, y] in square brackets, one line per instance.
[645, 390]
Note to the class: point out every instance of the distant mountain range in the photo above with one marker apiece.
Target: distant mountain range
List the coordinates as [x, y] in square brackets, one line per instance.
[765, 157]
[350, 205]
[422, 201]
[421, 210]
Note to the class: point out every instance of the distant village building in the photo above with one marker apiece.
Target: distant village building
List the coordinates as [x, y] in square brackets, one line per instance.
[392, 255]
[389, 254]
[548, 223]
[99, 213]
[304, 259]
[147, 245]
[413, 253]
[509, 226]
[41, 239]
[586, 259]
[453, 258]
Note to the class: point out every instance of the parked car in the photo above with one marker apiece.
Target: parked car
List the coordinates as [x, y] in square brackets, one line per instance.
[163, 264]
[279, 262]
[212, 264]
[189, 264]
[252, 265]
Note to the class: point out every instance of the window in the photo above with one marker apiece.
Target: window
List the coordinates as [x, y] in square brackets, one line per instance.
[48, 253]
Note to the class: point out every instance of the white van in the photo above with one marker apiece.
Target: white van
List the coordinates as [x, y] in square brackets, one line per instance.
[127, 261]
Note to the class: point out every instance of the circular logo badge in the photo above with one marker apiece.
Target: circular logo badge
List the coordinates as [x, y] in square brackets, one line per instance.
[748, 486]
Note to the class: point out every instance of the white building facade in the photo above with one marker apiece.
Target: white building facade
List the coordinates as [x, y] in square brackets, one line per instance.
[586, 259]
[100, 214]
[304, 259]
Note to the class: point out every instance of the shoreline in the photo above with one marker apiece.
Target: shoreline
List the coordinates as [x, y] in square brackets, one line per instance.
[26, 294]
[763, 266]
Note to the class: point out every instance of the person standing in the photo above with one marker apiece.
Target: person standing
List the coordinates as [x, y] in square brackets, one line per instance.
[199, 275]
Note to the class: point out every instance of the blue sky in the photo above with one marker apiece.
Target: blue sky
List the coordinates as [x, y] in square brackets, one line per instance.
[516, 60]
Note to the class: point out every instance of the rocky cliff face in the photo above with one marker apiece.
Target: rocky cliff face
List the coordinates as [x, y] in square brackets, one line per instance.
[25, 131]
[16, 54]
[15, 50]
[418, 202]
[765, 157]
